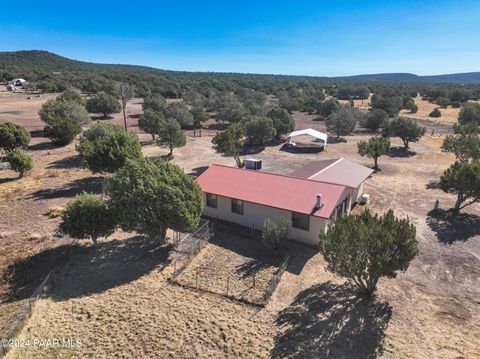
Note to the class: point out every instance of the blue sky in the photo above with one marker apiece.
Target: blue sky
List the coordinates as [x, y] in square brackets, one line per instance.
[296, 37]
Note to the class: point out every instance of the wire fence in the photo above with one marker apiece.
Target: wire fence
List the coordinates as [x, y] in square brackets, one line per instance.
[26, 310]
[42, 291]
[189, 245]
[254, 289]
[273, 284]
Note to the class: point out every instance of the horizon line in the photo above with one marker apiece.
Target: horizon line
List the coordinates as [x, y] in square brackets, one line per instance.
[244, 73]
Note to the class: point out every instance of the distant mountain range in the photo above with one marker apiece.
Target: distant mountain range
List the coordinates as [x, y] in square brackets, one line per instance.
[43, 61]
[460, 78]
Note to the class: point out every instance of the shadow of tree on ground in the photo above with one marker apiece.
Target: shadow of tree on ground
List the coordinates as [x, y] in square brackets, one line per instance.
[250, 268]
[451, 227]
[433, 184]
[42, 146]
[66, 163]
[243, 241]
[87, 184]
[331, 321]
[88, 269]
[401, 152]
[8, 179]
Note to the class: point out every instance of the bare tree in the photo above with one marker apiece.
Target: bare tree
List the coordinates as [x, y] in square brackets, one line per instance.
[127, 92]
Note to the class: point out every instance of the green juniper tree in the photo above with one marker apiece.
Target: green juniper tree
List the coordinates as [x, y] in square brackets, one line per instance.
[13, 136]
[363, 248]
[374, 148]
[230, 142]
[87, 216]
[170, 134]
[462, 179]
[151, 196]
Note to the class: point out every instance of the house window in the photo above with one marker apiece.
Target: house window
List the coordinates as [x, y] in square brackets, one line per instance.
[301, 221]
[237, 206]
[211, 200]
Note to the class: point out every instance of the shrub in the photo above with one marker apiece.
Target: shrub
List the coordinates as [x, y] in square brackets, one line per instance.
[13, 136]
[435, 113]
[72, 95]
[443, 102]
[87, 216]
[55, 212]
[275, 233]
[20, 161]
[53, 109]
[456, 104]
[62, 131]
[103, 103]
[410, 105]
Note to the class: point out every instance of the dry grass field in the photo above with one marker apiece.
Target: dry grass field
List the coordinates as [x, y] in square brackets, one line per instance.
[232, 265]
[116, 299]
[449, 114]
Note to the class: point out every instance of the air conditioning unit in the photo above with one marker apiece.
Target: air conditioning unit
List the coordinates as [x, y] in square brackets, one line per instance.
[365, 198]
[253, 164]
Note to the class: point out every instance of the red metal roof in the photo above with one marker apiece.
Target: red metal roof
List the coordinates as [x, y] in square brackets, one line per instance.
[285, 192]
[340, 171]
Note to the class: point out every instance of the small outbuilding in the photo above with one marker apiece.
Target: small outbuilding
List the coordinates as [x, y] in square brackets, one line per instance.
[320, 136]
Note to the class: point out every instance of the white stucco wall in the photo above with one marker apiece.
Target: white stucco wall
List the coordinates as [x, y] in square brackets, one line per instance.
[254, 216]
[357, 192]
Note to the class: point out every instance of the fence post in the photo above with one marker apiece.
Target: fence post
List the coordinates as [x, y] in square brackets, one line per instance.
[253, 280]
[228, 284]
[196, 279]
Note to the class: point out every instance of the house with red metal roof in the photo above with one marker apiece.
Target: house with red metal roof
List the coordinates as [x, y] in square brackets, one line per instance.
[249, 197]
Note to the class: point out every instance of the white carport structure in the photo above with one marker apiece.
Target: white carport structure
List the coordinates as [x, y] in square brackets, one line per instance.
[308, 131]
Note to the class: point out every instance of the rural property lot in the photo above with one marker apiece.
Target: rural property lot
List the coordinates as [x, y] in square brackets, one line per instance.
[116, 299]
